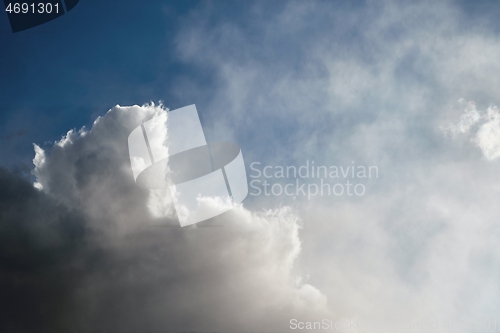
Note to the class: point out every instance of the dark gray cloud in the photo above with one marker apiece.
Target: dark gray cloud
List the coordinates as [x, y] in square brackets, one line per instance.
[42, 247]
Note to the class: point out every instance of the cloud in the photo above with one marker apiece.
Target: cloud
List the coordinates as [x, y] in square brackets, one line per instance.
[327, 88]
[85, 231]
[302, 81]
[483, 128]
[369, 82]
[42, 246]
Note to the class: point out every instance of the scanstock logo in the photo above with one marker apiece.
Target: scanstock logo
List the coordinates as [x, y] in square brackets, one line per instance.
[204, 179]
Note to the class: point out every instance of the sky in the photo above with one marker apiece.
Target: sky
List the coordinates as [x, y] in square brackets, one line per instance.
[410, 89]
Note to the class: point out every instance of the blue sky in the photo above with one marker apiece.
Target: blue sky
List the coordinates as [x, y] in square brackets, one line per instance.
[63, 74]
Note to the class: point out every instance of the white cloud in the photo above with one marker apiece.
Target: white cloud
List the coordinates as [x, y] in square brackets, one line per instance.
[483, 128]
[238, 274]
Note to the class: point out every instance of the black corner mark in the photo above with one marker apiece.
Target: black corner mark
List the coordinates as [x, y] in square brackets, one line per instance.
[26, 14]
[70, 4]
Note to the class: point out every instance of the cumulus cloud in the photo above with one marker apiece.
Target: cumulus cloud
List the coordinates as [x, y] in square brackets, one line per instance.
[483, 128]
[84, 243]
